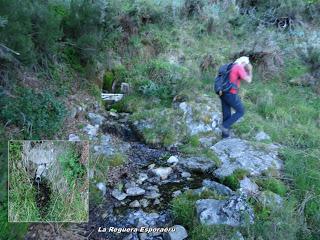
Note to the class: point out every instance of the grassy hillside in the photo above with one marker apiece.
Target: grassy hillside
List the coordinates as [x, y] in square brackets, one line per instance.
[169, 51]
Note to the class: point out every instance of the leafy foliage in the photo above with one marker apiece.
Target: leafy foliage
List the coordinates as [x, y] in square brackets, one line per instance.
[38, 114]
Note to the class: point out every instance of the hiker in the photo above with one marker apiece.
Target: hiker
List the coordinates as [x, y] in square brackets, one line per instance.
[234, 73]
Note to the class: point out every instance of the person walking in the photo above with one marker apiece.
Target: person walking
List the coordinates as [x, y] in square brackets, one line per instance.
[240, 70]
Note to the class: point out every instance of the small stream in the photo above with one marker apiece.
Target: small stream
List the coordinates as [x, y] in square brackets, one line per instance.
[115, 213]
[43, 192]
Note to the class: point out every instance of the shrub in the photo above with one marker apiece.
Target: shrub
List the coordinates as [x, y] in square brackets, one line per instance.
[71, 166]
[163, 80]
[38, 114]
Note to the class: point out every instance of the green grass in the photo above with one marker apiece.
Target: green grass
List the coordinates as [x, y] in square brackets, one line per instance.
[273, 185]
[233, 181]
[22, 206]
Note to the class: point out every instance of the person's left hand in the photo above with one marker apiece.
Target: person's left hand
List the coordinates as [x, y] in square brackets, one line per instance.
[220, 93]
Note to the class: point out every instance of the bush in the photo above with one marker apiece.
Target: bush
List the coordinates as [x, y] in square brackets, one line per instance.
[163, 80]
[40, 115]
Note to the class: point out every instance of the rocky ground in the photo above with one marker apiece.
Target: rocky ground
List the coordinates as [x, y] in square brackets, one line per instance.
[138, 192]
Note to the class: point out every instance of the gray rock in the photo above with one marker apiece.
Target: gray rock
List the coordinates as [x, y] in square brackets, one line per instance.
[110, 145]
[270, 199]
[173, 160]
[235, 154]
[135, 191]
[95, 118]
[234, 211]
[248, 187]
[180, 233]
[152, 194]
[142, 219]
[207, 141]
[162, 172]
[144, 203]
[156, 202]
[151, 166]
[102, 187]
[74, 137]
[261, 136]
[132, 236]
[200, 164]
[118, 195]
[185, 174]
[142, 177]
[207, 122]
[176, 193]
[134, 204]
[92, 131]
[150, 236]
[237, 236]
[218, 187]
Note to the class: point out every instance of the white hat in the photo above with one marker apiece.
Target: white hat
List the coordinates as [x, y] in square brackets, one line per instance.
[242, 59]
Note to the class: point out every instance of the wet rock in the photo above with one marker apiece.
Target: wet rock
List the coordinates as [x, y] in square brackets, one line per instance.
[118, 195]
[218, 187]
[234, 211]
[235, 153]
[119, 129]
[200, 164]
[150, 236]
[95, 118]
[248, 187]
[110, 145]
[270, 199]
[74, 137]
[261, 136]
[135, 191]
[130, 184]
[152, 195]
[144, 203]
[92, 131]
[142, 177]
[151, 166]
[102, 187]
[173, 160]
[132, 236]
[162, 172]
[156, 202]
[185, 174]
[180, 233]
[142, 219]
[134, 204]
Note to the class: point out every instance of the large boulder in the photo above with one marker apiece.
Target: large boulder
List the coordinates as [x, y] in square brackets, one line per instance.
[234, 212]
[201, 116]
[235, 153]
[218, 187]
[197, 164]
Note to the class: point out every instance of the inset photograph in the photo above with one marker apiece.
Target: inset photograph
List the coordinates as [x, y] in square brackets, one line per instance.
[48, 181]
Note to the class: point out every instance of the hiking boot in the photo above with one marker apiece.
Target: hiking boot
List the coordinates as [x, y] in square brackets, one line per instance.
[225, 132]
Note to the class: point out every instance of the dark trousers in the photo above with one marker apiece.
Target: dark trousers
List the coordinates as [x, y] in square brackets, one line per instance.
[228, 101]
